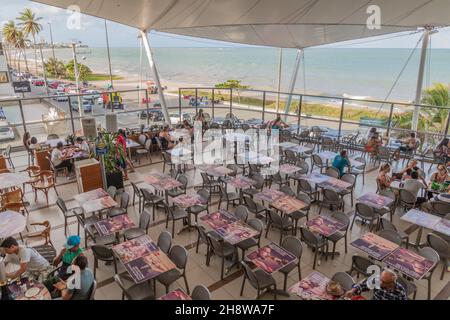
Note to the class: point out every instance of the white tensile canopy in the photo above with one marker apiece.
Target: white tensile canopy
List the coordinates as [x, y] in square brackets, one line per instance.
[278, 23]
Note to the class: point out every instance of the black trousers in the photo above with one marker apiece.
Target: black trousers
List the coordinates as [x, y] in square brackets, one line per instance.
[65, 164]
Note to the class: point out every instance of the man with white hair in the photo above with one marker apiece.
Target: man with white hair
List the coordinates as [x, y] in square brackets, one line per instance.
[389, 288]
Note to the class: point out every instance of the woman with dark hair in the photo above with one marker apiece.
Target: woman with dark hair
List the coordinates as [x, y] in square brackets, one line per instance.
[442, 150]
[166, 139]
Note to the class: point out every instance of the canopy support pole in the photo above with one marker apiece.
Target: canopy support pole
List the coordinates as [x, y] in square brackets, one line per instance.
[280, 65]
[292, 83]
[423, 56]
[152, 64]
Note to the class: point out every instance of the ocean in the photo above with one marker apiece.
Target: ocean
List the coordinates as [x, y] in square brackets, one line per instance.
[365, 73]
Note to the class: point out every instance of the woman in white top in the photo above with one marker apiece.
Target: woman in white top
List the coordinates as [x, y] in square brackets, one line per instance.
[82, 145]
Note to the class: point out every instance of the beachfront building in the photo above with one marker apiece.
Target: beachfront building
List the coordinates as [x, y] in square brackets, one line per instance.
[321, 181]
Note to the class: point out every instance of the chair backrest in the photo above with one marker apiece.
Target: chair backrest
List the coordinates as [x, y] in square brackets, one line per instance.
[205, 178]
[288, 190]
[200, 292]
[409, 286]
[387, 225]
[431, 255]
[439, 244]
[317, 160]
[204, 193]
[124, 200]
[344, 279]
[223, 192]
[61, 205]
[407, 196]
[250, 203]
[332, 172]
[259, 180]
[111, 191]
[303, 165]
[305, 186]
[250, 275]
[148, 144]
[183, 180]
[15, 195]
[135, 188]
[331, 195]
[93, 290]
[364, 210]
[202, 233]
[440, 207]
[391, 235]
[361, 264]
[102, 252]
[144, 220]
[118, 280]
[241, 212]
[164, 241]
[233, 167]
[343, 218]
[166, 157]
[304, 198]
[275, 218]
[293, 245]
[362, 160]
[350, 178]
[179, 256]
[142, 139]
[309, 237]
[256, 224]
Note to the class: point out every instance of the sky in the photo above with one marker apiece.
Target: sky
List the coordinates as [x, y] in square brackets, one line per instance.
[92, 32]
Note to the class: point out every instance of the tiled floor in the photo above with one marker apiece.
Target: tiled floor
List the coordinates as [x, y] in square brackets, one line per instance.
[197, 271]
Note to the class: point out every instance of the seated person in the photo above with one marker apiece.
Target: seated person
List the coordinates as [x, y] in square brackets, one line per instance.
[414, 185]
[371, 133]
[408, 144]
[439, 177]
[278, 123]
[59, 160]
[390, 288]
[166, 139]
[340, 162]
[373, 144]
[82, 145]
[405, 173]
[67, 255]
[384, 179]
[26, 259]
[86, 282]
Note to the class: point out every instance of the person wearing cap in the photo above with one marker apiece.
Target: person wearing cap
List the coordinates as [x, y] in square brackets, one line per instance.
[81, 290]
[389, 289]
[68, 254]
[26, 259]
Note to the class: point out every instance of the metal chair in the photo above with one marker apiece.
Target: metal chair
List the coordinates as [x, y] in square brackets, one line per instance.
[179, 190]
[387, 225]
[68, 214]
[223, 250]
[344, 279]
[315, 242]
[294, 246]
[228, 197]
[141, 291]
[145, 151]
[211, 185]
[103, 253]
[112, 191]
[257, 186]
[284, 224]
[332, 172]
[144, 223]
[351, 179]
[123, 209]
[167, 162]
[440, 207]
[407, 199]
[433, 256]
[305, 187]
[254, 207]
[359, 170]
[442, 247]
[241, 213]
[279, 180]
[342, 233]
[137, 193]
[164, 241]
[258, 279]
[360, 265]
[392, 236]
[365, 213]
[7, 155]
[258, 225]
[199, 208]
[410, 288]
[288, 190]
[297, 215]
[316, 161]
[175, 214]
[200, 292]
[179, 257]
[331, 199]
[152, 199]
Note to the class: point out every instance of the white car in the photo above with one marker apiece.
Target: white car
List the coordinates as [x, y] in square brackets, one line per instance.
[60, 96]
[6, 133]
[91, 94]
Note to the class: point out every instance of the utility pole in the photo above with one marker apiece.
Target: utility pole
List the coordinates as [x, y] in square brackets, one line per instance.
[51, 40]
[280, 66]
[43, 69]
[75, 68]
[109, 56]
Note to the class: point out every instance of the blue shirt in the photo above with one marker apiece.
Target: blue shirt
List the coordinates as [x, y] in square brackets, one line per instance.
[340, 163]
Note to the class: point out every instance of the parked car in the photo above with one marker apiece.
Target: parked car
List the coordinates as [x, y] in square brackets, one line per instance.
[38, 82]
[175, 117]
[153, 114]
[91, 94]
[87, 105]
[54, 84]
[60, 96]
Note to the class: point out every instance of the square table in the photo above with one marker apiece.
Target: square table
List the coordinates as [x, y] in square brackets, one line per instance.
[270, 258]
[241, 182]
[421, 219]
[219, 171]
[270, 195]
[177, 294]
[162, 183]
[334, 184]
[375, 200]
[236, 232]
[13, 179]
[300, 149]
[114, 225]
[374, 245]
[288, 204]
[325, 226]
[188, 200]
[99, 204]
[142, 259]
[11, 223]
[288, 168]
[313, 287]
[218, 219]
[287, 145]
[316, 178]
[132, 144]
[179, 152]
[409, 263]
[327, 155]
[90, 195]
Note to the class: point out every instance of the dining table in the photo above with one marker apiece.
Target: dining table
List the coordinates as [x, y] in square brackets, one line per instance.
[28, 289]
[11, 223]
[312, 287]
[115, 225]
[13, 179]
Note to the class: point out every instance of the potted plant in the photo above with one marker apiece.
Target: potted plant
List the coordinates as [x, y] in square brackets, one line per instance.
[114, 176]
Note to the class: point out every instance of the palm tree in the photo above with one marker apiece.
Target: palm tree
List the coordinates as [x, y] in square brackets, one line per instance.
[30, 25]
[10, 33]
[55, 67]
[21, 44]
[437, 95]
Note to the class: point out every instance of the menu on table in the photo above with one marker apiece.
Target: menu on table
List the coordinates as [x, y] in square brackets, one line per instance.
[313, 287]
[375, 200]
[90, 195]
[218, 219]
[328, 155]
[270, 195]
[142, 258]
[316, 177]
[409, 263]
[421, 218]
[167, 184]
[374, 245]
[325, 226]
[288, 204]
[154, 178]
[188, 200]
[41, 292]
[241, 182]
[177, 294]
[114, 224]
[288, 168]
[236, 232]
[335, 184]
[99, 204]
[270, 258]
